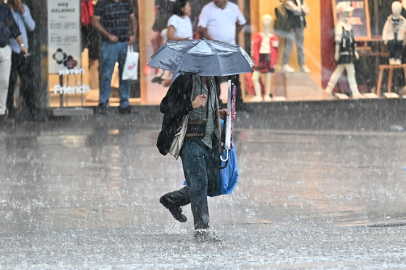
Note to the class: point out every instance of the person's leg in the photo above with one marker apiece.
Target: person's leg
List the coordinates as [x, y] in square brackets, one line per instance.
[26, 76]
[334, 78]
[212, 159]
[299, 37]
[124, 84]
[15, 69]
[289, 40]
[5, 66]
[194, 168]
[109, 55]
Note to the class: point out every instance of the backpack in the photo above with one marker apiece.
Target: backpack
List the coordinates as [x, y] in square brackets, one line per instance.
[282, 23]
[87, 11]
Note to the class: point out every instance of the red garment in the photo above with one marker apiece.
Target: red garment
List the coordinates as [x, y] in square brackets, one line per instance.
[87, 11]
[256, 46]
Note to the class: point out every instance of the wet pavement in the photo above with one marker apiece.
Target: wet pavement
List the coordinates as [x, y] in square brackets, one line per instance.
[82, 193]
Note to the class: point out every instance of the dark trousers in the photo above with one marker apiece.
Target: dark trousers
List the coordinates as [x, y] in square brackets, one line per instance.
[201, 169]
[22, 66]
[236, 81]
[395, 48]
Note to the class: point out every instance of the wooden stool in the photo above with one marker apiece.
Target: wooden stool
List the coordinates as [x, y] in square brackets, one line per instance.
[390, 68]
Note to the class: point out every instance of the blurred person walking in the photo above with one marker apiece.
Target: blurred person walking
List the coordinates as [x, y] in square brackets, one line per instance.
[8, 29]
[222, 20]
[20, 64]
[179, 24]
[115, 20]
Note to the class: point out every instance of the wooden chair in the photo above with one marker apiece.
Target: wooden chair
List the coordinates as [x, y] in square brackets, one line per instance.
[390, 68]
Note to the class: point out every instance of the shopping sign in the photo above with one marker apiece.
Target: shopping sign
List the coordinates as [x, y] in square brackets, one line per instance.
[359, 18]
[64, 46]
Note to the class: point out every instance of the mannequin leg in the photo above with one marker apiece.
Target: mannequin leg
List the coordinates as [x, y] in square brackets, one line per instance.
[257, 86]
[398, 52]
[289, 40]
[352, 82]
[334, 79]
[391, 49]
[268, 86]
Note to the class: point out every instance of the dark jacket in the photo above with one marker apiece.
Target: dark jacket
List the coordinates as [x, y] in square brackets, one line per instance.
[295, 21]
[8, 27]
[176, 104]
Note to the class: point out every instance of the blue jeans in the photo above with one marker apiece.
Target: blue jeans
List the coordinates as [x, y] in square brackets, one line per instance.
[110, 54]
[201, 169]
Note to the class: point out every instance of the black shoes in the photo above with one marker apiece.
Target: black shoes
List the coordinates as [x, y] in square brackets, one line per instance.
[176, 211]
[102, 109]
[126, 110]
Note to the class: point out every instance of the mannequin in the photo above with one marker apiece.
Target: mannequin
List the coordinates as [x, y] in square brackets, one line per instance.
[265, 56]
[345, 53]
[393, 33]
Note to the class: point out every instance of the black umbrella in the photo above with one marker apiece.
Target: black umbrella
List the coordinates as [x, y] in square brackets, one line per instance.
[202, 57]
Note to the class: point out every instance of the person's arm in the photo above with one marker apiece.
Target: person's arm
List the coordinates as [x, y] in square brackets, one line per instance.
[241, 21]
[338, 36]
[25, 11]
[305, 9]
[15, 33]
[289, 5]
[24, 49]
[97, 25]
[203, 23]
[134, 26]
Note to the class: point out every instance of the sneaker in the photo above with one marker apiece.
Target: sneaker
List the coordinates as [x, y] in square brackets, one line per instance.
[126, 110]
[176, 211]
[287, 69]
[257, 99]
[205, 235]
[305, 69]
[102, 109]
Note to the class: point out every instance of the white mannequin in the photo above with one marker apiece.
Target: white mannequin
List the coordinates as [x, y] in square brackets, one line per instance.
[393, 34]
[344, 51]
[266, 23]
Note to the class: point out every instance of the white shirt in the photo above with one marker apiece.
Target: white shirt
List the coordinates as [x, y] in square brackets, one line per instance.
[221, 24]
[183, 26]
[265, 44]
[339, 30]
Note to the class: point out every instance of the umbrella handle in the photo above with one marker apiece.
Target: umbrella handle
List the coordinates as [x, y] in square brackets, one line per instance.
[221, 157]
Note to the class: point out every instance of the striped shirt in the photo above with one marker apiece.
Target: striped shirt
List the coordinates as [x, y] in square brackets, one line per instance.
[200, 113]
[114, 17]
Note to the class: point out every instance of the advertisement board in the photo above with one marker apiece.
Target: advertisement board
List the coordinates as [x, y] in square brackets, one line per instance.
[64, 47]
[359, 18]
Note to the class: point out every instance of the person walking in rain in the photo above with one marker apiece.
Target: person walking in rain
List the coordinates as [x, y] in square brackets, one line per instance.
[196, 97]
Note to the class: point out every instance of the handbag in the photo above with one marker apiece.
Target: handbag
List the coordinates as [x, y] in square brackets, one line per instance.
[177, 142]
[130, 71]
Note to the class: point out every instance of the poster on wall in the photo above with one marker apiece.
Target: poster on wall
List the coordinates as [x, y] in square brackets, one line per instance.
[359, 19]
[64, 47]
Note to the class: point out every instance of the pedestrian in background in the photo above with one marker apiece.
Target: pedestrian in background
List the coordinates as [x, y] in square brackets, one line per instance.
[117, 23]
[20, 64]
[222, 20]
[179, 24]
[8, 29]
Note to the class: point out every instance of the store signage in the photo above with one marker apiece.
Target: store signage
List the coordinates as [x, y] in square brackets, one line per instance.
[69, 90]
[64, 48]
[359, 19]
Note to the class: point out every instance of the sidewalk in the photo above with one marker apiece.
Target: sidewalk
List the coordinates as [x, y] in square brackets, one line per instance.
[82, 193]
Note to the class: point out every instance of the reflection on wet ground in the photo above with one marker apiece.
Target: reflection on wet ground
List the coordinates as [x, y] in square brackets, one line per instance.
[85, 196]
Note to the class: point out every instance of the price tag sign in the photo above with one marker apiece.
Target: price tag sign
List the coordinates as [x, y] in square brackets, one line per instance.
[64, 46]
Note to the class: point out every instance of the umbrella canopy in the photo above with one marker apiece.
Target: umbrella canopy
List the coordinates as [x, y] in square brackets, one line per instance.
[202, 57]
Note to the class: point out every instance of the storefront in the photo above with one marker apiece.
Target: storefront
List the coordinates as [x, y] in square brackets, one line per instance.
[67, 73]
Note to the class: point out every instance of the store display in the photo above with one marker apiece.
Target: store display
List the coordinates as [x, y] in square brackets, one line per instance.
[265, 55]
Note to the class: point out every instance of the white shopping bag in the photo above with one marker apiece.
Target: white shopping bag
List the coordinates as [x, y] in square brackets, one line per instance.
[130, 71]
